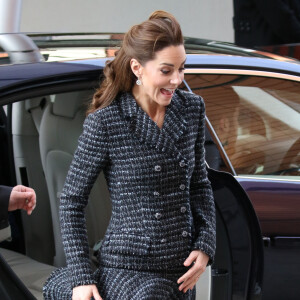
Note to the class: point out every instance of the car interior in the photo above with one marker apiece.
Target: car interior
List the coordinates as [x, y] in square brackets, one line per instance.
[45, 133]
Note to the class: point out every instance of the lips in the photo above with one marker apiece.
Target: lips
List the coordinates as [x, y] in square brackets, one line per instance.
[167, 92]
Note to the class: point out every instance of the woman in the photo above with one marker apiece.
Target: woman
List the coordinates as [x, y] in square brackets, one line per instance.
[148, 138]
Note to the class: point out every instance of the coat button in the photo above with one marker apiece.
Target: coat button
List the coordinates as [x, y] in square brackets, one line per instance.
[157, 168]
[183, 209]
[158, 216]
[182, 187]
[163, 240]
[185, 233]
[182, 164]
[156, 193]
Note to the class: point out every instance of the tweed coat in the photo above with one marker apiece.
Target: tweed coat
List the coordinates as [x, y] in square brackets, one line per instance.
[162, 202]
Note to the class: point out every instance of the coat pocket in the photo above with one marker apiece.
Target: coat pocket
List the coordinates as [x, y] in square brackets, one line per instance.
[127, 244]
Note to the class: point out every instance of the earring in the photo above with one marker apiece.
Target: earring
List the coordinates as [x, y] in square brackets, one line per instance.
[138, 82]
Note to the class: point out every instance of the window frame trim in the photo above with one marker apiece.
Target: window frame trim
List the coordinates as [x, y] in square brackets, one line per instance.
[243, 72]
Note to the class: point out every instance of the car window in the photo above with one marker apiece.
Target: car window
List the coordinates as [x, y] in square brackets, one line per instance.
[257, 120]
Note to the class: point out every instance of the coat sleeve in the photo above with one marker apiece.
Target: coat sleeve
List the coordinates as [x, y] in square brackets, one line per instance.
[89, 159]
[202, 201]
[4, 198]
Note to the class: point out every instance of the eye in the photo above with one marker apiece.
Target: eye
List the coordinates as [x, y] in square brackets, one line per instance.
[165, 72]
[181, 69]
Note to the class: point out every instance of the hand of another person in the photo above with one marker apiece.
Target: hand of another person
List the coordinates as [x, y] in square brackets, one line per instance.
[189, 279]
[86, 292]
[22, 197]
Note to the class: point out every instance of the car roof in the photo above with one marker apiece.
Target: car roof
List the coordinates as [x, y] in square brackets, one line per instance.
[201, 54]
[241, 62]
[97, 44]
[192, 45]
[20, 74]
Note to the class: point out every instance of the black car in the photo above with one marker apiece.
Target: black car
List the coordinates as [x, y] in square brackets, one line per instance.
[43, 105]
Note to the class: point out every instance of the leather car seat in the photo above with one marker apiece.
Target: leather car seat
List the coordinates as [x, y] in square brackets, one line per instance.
[26, 117]
[32, 274]
[60, 128]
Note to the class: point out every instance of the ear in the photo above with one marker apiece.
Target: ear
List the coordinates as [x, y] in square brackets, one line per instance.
[136, 67]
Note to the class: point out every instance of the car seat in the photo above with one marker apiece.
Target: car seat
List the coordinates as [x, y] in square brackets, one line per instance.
[38, 235]
[60, 128]
[26, 272]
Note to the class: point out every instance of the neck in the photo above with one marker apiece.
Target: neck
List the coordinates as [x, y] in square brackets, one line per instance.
[155, 111]
[147, 104]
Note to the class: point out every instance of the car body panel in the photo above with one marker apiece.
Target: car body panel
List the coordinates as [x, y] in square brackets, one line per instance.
[276, 203]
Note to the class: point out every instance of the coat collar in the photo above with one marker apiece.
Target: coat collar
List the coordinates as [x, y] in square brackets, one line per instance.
[165, 139]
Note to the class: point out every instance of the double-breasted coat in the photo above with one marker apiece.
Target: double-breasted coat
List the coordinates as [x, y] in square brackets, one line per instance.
[162, 202]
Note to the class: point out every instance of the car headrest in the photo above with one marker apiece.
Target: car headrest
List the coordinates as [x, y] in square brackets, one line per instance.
[36, 102]
[68, 104]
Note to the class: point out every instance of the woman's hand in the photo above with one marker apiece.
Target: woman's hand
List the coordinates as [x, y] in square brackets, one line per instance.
[86, 292]
[189, 279]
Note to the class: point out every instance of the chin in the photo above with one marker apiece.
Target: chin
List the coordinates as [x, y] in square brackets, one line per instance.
[164, 101]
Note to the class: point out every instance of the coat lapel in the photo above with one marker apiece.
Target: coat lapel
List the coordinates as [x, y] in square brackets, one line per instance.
[147, 132]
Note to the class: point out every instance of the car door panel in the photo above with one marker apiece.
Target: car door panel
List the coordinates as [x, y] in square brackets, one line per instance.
[277, 202]
[11, 287]
[239, 258]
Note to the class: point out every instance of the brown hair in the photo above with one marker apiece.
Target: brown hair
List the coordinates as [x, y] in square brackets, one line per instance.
[141, 42]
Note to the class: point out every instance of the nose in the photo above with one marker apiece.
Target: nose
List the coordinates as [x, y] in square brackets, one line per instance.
[176, 78]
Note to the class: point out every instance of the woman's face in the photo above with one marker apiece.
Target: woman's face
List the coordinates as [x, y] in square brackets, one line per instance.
[160, 76]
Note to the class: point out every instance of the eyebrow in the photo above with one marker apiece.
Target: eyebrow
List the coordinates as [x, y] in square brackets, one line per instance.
[171, 65]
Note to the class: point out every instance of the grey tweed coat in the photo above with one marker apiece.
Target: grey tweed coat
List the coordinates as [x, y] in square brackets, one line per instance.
[162, 202]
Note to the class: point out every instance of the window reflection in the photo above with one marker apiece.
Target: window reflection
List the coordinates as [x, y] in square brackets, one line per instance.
[257, 120]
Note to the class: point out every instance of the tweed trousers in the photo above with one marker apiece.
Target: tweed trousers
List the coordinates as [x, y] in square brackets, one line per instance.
[122, 284]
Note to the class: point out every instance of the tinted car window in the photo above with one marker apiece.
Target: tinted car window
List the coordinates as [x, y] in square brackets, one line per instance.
[257, 120]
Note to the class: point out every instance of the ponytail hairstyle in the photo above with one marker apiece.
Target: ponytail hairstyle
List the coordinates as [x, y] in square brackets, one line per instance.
[141, 42]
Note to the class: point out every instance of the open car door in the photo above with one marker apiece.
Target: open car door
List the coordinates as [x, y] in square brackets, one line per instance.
[237, 272]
